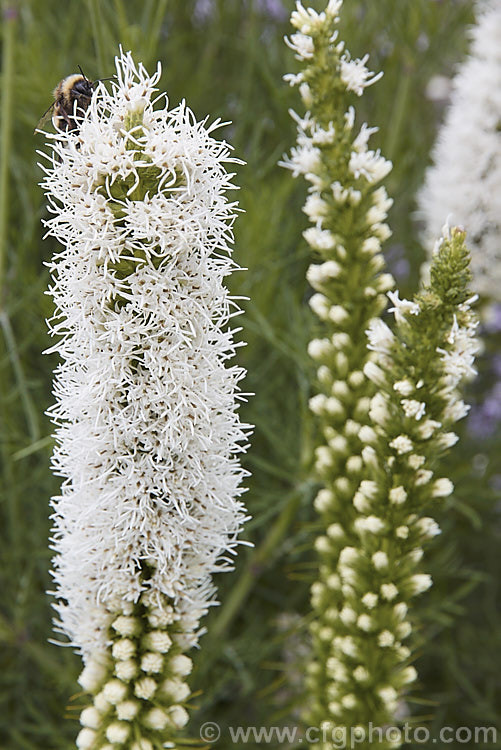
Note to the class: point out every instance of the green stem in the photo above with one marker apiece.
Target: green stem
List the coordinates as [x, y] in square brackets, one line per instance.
[9, 18]
[31, 413]
[254, 568]
[154, 31]
[98, 34]
[398, 118]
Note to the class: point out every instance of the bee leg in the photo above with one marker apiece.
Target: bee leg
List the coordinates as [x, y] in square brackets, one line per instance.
[64, 115]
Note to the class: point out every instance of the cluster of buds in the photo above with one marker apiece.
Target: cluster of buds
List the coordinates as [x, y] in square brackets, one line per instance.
[137, 686]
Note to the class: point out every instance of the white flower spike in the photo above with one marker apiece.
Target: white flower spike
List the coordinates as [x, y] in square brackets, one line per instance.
[146, 412]
[465, 180]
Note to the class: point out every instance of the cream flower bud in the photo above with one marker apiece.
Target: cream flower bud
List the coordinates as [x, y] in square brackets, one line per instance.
[386, 639]
[369, 488]
[361, 674]
[423, 476]
[152, 662]
[404, 387]
[159, 641]
[420, 582]
[157, 718]
[126, 670]
[367, 434]
[125, 625]
[319, 348]
[101, 702]
[323, 500]
[123, 649]
[388, 694]
[403, 630]
[86, 739]
[408, 675]
[415, 461]
[447, 440]
[349, 701]
[181, 665]
[370, 600]
[117, 732]
[348, 646]
[127, 710]
[145, 688]
[361, 503]
[389, 591]
[333, 582]
[356, 379]
[428, 428]
[322, 545]
[413, 408]
[364, 622]
[319, 239]
[400, 610]
[335, 531]
[380, 560]
[142, 744]
[397, 495]
[354, 465]
[178, 716]
[348, 556]
[442, 487]
[369, 456]
[379, 412]
[375, 374]
[176, 690]
[348, 616]
[115, 691]
[90, 717]
[401, 444]
[428, 526]
[92, 675]
[320, 305]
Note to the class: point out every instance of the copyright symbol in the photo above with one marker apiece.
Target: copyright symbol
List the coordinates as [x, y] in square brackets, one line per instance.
[210, 732]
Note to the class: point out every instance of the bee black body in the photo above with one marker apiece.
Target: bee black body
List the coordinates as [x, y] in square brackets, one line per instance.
[71, 97]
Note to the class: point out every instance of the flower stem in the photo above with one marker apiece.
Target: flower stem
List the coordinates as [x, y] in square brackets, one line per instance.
[9, 18]
[255, 567]
[98, 33]
[30, 410]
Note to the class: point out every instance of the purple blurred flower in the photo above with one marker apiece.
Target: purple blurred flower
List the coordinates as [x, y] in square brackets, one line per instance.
[203, 11]
[485, 417]
[273, 8]
[398, 264]
[492, 322]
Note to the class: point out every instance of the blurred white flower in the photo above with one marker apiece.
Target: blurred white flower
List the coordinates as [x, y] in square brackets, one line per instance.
[465, 180]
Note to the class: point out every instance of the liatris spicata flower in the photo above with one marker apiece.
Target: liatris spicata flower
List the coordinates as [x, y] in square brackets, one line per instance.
[465, 180]
[376, 484]
[148, 432]
[347, 208]
[418, 370]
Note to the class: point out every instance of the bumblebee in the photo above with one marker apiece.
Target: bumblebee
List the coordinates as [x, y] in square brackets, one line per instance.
[72, 97]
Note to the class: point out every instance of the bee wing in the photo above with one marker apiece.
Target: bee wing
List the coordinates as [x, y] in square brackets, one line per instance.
[45, 117]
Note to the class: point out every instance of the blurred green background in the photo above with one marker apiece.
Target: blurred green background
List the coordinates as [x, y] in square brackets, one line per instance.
[227, 59]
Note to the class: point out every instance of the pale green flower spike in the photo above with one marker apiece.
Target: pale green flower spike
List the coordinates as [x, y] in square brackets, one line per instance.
[385, 404]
